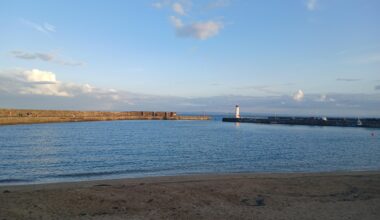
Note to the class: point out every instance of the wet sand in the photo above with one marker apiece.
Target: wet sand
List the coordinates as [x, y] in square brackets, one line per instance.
[353, 195]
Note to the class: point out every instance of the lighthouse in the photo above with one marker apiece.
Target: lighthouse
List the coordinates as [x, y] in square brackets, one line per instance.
[237, 111]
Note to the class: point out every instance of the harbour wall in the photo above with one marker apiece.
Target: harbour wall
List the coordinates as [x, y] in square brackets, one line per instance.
[311, 121]
[27, 116]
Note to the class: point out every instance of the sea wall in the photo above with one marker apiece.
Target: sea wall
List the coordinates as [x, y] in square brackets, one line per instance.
[28, 116]
[311, 121]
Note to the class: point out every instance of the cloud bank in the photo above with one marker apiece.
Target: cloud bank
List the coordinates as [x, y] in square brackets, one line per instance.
[41, 89]
[47, 57]
[45, 83]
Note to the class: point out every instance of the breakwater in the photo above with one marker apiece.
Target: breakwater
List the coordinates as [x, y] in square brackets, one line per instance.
[311, 121]
[26, 116]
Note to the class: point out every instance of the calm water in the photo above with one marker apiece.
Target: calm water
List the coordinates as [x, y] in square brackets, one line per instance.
[98, 150]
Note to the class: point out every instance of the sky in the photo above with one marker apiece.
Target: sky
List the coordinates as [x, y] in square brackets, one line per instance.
[294, 57]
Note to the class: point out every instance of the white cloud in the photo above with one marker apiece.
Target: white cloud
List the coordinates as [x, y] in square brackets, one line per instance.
[198, 30]
[48, 57]
[311, 5]
[87, 88]
[178, 8]
[201, 30]
[40, 89]
[40, 82]
[36, 75]
[298, 96]
[45, 28]
[176, 22]
[46, 90]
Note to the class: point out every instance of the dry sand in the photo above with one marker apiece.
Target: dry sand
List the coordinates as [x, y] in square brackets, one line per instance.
[354, 195]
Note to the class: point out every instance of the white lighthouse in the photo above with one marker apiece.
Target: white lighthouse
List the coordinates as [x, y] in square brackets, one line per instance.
[237, 111]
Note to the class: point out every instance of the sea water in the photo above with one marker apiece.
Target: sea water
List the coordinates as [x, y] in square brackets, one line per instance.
[60, 152]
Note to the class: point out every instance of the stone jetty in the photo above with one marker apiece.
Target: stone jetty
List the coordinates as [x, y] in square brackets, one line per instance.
[28, 116]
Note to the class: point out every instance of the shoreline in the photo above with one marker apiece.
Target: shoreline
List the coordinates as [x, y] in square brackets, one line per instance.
[23, 183]
[322, 195]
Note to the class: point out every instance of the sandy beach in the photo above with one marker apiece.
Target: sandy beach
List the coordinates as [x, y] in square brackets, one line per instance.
[354, 195]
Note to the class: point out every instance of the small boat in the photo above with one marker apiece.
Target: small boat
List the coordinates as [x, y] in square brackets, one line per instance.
[359, 123]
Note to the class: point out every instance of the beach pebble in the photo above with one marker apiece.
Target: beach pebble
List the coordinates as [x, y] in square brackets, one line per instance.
[6, 191]
[260, 201]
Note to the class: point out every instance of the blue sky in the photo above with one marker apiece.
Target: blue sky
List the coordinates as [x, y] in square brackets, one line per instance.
[295, 56]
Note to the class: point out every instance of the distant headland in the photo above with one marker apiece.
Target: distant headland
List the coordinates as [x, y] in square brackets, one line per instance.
[28, 116]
